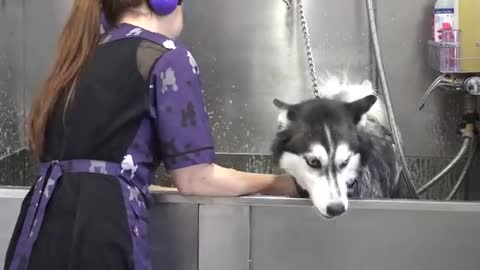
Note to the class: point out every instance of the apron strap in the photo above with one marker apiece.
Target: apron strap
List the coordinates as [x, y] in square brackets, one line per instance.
[42, 192]
[50, 174]
[125, 30]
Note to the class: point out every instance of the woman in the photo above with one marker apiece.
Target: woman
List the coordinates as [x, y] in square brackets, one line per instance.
[111, 109]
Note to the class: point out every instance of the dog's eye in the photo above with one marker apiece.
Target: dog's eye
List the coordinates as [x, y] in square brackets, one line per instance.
[345, 163]
[314, 163]
[352, 184]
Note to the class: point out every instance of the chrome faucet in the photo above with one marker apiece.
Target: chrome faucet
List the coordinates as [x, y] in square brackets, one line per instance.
[468, 85]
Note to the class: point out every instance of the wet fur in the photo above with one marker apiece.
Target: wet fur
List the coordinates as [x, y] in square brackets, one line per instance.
[302, 124]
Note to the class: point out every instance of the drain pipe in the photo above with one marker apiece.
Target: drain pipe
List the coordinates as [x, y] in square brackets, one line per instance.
[386, 93]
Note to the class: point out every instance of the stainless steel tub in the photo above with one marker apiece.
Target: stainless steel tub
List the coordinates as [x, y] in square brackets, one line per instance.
[288, 234]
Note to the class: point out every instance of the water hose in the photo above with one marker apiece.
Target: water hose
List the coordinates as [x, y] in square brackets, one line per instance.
[466, 167]
[461, 153]
[388, 103]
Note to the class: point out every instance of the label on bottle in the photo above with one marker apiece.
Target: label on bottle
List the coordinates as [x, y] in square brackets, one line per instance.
[444, 17]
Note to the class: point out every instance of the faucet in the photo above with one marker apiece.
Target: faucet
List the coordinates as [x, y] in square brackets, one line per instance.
[467, 84]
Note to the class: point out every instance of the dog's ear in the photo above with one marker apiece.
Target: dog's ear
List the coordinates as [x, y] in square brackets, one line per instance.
[360, 107]
[281, 105]
[287, 114]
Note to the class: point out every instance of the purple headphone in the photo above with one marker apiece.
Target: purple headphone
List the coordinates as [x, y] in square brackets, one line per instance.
[160, 7]
[164, 7]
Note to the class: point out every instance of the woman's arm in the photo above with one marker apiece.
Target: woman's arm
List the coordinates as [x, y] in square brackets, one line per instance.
[185, 138]
[214, 180]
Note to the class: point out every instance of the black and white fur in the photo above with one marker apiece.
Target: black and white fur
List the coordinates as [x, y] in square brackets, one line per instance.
[337, 147]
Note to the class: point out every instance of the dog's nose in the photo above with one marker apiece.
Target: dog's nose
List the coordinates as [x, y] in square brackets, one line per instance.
[335, 209]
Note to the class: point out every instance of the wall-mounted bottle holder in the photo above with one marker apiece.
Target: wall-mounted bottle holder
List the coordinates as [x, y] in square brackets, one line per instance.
[448, 57]
[445, 56]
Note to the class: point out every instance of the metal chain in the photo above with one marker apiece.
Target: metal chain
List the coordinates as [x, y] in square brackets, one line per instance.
[287, 2]
[308, 46]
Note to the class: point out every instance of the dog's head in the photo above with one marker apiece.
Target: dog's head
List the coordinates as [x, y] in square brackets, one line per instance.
[318, 144]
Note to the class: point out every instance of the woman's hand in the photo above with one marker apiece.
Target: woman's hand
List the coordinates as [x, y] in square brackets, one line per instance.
[284, 185]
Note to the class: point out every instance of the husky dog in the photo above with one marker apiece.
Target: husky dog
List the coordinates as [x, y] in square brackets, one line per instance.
[337, 147]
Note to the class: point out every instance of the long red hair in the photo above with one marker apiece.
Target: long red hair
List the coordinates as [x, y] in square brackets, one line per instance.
[77, 42]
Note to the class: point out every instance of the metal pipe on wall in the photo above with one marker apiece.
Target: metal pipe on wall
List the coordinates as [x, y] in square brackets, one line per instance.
[388, 102]
[465, 170]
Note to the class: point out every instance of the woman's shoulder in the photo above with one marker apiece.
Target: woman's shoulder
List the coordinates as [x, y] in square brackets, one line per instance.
[178, 57]
[178, 50]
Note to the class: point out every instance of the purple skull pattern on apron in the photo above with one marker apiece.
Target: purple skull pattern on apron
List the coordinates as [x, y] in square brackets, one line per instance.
[135, 173]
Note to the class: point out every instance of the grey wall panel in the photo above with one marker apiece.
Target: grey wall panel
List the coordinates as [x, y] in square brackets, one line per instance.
[403, 34]
[16, 169]
[224, 237]
[251, 51]
[174, 245]
[12, 91]
[10, 208]
[286, 238]
[44, 20]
